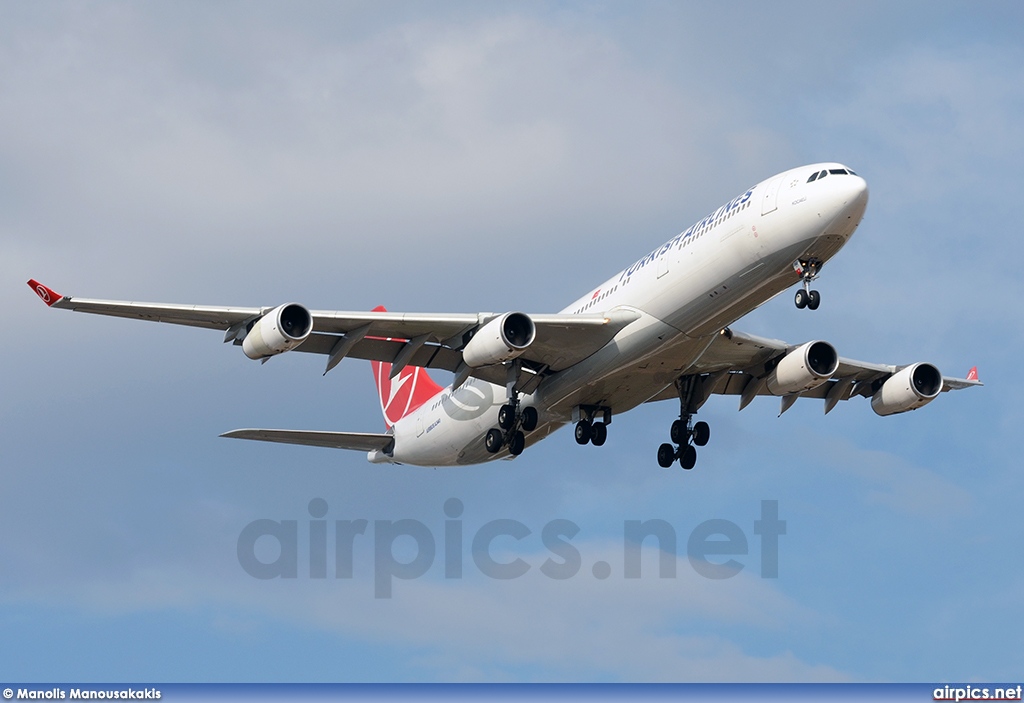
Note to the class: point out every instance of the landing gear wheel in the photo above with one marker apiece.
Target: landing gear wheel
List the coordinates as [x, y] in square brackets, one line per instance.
[529, 419]
[493, 440]
[666, 455]
[678, 432]
[701, 434]
[688, 457]
[600, 434]
[802, 299]
[583, 432]
[814, 300]
[506, 416]
[516, 443]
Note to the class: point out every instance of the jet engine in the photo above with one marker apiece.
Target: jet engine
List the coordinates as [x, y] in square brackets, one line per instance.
[280, 330]
[501, 339]
[804, 368]
[908, 389]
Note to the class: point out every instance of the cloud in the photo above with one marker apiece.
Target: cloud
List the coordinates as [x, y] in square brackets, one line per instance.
[579, 629]
[453, 130]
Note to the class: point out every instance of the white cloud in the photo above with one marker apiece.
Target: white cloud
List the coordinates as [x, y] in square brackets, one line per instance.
[579, 629]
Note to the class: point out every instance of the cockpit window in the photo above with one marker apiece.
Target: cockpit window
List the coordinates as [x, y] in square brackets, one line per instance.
[834, 171]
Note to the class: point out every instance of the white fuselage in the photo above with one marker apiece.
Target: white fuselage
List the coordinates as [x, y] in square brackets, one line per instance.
[685, 291]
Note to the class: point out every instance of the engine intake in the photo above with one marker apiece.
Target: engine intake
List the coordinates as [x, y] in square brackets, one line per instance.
[908, 389]
[502, 339]
[280, 330]
[804, 368]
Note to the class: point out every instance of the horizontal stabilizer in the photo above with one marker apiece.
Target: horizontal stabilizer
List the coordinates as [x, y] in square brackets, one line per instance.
[359, 441]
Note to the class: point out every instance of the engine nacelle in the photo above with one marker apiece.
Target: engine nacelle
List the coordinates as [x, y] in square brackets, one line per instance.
[909, 389]
[280, 330]
[501, 339]
[804, 368]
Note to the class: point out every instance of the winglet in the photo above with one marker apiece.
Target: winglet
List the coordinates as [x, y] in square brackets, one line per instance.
[48, 295]
[972, 375]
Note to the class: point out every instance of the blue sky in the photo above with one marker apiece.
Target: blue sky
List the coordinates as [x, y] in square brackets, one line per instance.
[483, 156]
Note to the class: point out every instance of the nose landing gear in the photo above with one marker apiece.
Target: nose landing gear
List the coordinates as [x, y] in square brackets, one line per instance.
[808, 270]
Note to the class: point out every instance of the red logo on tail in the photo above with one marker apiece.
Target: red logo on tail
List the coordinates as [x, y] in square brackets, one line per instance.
[405, 393]
[48, 295]
[972, 375]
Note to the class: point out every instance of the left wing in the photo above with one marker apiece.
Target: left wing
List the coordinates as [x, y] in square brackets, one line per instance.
[401, 339]
[742, 364]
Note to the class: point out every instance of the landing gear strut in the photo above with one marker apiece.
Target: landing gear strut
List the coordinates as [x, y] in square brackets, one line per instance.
[513, 419]
[685, 434]
[808, 270]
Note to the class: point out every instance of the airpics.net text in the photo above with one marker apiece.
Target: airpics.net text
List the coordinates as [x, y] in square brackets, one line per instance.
[407, 549]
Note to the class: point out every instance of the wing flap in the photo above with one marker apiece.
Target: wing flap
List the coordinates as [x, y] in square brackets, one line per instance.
[429, 356]
[359, 441]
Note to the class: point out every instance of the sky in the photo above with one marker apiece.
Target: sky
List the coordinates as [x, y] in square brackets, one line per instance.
[486, 157]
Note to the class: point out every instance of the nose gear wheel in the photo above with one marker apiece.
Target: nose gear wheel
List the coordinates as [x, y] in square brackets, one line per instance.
[808, 270]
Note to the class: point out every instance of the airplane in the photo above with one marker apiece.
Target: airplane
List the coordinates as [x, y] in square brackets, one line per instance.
[660, 329]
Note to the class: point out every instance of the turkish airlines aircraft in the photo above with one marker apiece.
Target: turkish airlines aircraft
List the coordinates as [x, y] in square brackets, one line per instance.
[658, 330]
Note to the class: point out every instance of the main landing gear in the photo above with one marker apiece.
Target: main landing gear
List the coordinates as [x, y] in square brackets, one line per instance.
[588, 429]
[685, 434]
[808, 270]
[514, 421]
[688, 437]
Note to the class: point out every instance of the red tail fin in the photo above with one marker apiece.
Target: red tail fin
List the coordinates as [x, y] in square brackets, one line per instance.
[406, 392]
[972, 375]
[48, 295]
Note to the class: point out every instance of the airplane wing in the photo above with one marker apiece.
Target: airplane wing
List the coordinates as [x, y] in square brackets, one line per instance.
[736, 364]
[401, 339]
[360, 441]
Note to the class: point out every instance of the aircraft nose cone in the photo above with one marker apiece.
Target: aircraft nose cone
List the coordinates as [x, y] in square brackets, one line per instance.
[858, 190]
[855, 196]
[844, 203]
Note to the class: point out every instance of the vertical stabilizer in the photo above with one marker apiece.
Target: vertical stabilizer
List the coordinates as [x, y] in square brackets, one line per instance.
[406, 392]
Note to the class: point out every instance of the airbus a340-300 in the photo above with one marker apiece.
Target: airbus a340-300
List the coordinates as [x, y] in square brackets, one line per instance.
[661, 329]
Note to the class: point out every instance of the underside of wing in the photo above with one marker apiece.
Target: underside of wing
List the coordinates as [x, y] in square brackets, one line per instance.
[359, 441]
[748, 366]
[560, 341]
